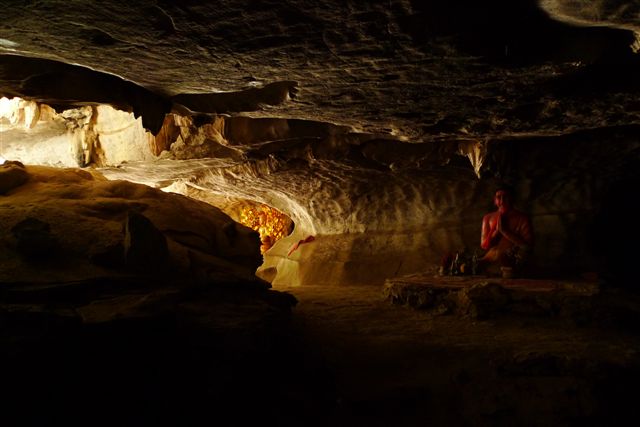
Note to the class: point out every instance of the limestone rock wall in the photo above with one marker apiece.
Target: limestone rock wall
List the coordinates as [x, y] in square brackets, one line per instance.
[120, 137]
[19, 112]
[75, 137]
[376, 207]
[566, 199]
[380, 208]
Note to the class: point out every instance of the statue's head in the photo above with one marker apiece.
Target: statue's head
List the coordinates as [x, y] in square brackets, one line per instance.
[503, 198]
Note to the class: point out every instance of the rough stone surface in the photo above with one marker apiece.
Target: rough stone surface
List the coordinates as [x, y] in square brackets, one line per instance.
[86, 227]
[145, 247]
[478, 297]
[12, 175]
[34, 240]
[405, 367]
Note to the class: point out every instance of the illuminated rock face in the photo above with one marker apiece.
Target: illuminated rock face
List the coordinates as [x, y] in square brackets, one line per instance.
[612, 12]
[76, 137]
[380, 129]
[67, 224]
[377, 208]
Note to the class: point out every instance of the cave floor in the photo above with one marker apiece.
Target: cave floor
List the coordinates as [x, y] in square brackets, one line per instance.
[394, 365]
[126, 353]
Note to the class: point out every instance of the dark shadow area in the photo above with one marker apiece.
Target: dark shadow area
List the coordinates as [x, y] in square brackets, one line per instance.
[133, 354]
[515, 32]
[184, 357]
[617, 234]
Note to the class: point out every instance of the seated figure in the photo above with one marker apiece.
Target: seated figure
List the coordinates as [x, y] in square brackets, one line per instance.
[506, 235]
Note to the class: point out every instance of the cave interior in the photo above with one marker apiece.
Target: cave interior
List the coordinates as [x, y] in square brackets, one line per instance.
[247, 211]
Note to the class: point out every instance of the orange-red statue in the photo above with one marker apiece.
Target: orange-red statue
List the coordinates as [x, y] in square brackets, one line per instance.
[506, 233]
[300, 242]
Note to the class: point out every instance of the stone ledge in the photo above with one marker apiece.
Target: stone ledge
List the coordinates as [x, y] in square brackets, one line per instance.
[482, 297]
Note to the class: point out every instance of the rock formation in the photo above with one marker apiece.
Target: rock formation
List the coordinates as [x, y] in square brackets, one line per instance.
[65, 225]
[379, 129]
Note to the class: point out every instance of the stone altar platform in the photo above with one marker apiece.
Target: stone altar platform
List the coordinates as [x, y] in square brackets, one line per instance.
[486, 297]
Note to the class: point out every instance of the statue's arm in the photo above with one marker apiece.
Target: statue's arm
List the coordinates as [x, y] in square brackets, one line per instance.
[487, 234]
[523, 237]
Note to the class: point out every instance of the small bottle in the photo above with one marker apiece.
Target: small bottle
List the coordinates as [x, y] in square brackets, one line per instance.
[474, 263]
[455, 265]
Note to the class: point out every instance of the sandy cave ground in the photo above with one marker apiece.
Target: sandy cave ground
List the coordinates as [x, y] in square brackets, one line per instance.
[394, 365]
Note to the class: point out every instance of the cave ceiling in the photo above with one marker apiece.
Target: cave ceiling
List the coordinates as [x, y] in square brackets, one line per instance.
[415, 71]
